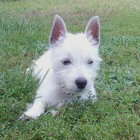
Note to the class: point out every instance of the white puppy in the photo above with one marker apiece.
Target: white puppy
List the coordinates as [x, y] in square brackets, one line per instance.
[68, 70]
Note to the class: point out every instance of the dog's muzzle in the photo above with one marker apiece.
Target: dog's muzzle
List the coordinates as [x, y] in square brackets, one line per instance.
[81, 83]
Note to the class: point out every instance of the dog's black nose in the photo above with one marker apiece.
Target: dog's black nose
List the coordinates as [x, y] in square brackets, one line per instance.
[81, 83]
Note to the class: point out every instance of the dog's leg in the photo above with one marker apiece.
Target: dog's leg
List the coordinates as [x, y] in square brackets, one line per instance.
[38, 106]
[36, 109]
[91, 94]
[45, 97]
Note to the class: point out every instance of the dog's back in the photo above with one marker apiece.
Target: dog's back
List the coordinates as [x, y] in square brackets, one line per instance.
[41, 66]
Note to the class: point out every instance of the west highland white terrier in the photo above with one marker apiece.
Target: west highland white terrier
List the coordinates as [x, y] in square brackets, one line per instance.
[68, 70]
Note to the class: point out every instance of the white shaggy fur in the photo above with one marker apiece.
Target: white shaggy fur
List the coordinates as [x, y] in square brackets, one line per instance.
[70, 56]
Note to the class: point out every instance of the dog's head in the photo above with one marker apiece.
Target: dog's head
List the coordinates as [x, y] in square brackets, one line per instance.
[75, 57]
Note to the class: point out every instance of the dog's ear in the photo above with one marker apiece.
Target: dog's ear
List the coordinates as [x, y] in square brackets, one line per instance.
[93, 30]
[58, 30]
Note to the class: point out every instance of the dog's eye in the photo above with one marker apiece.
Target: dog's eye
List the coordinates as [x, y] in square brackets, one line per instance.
[90, 62]
[66, 62]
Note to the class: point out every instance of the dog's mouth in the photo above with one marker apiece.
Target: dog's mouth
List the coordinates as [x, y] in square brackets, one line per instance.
[80, 90]
[75, 91]
[72, 91]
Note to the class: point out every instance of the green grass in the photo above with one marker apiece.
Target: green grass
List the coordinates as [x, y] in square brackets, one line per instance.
[24, 31]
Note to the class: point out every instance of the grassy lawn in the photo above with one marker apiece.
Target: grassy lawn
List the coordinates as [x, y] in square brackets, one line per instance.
[24, 31]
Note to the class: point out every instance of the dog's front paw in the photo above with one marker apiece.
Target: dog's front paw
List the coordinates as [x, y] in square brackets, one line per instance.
[29, 115]
[25, 118]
